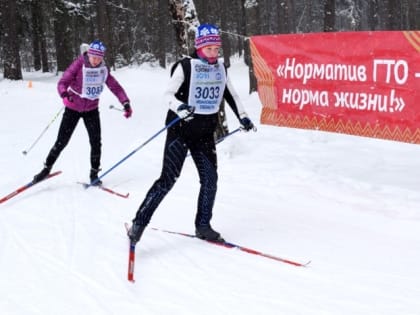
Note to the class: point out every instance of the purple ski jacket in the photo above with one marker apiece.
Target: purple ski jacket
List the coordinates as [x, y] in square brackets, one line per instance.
[72, 83]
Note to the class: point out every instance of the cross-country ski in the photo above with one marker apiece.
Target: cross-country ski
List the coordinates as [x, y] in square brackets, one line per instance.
[25, 187]
[131, 256]
[239, 247]
[107, 189]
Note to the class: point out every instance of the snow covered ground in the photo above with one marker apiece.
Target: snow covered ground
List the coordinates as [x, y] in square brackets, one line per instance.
[351, 205]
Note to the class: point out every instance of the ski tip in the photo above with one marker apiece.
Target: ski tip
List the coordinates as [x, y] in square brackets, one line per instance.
[307, 263]
[84, 185]
[125, 196]
[127, 226]
[297, 264]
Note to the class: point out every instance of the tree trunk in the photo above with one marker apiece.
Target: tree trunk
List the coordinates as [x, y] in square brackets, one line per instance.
[286, 17]
[226, 45]
[11, 63]
[393, 15]
[413, 13]
[44, 54]
[36, 28]
[161, 45]
[104, 31]
[39, 40]
[372, 20]
[63, 36]
[329, 15]
[251, 11]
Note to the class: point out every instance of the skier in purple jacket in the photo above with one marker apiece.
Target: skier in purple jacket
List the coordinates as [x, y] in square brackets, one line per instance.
[80, 88]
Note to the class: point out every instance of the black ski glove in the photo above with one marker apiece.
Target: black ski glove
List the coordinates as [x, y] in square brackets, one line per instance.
[246, 124]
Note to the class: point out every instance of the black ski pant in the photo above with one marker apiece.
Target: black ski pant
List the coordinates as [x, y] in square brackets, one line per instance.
[198, 138]
[67, 127]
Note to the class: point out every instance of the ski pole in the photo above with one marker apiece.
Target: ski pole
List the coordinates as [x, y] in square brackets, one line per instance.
[115, 108]
[224, 137]
[24, 152]
[134, 151]
[229, 134]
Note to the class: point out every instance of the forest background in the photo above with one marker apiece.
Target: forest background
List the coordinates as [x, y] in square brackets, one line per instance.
[45, 35]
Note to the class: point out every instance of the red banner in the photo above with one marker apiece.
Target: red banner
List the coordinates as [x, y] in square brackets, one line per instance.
[360, 83]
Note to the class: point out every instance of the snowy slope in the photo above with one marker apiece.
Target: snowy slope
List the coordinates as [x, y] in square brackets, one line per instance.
[348, 204]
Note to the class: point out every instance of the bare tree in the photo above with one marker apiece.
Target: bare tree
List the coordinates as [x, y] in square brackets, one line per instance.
[11, 63]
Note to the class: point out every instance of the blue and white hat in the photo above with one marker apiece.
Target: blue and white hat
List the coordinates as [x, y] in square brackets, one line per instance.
[97, 48]
[207, 34]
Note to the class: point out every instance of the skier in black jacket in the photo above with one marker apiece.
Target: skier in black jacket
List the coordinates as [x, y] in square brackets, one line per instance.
[196, 89]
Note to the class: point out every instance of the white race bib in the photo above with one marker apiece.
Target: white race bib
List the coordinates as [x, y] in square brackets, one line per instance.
[207, 86]
[93, 82]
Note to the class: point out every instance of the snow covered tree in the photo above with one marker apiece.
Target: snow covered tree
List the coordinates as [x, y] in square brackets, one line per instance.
[185, 20]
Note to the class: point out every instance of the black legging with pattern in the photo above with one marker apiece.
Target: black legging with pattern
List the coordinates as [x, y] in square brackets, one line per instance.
[67, 127]
[197, 136]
